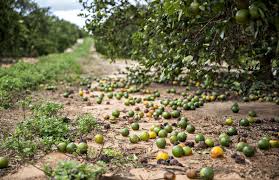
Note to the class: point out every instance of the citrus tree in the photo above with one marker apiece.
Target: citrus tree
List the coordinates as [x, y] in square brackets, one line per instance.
[113, 24]
[29, 30]
[198, 35]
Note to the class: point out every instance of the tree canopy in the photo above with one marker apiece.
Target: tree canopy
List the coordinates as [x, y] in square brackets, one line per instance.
[29, 30]
[174, 35]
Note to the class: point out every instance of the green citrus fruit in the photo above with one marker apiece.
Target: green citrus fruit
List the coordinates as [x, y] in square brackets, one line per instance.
[163, 133]
[177, 151]
[240, 146]
[182, 124]
[161, 143]
[4, 162]
[187, 151]
[242, 16]
[125, 132]
[175, 114]
[134, 139]
[135, 126]
[248, 151]
[207, 173]
[225, 141]
[71, 147]
[168, 128]
[190, 128]
[254, 12]
[244, 122]
[116, 113]
[181, 136]
[166, 115]
[209, 142]
[144, 136]
[62, 147]
[173, 139]
[252, 113]
[199, 137]
[232, 131]
[131, 113]
[263, 144]
[82, 148]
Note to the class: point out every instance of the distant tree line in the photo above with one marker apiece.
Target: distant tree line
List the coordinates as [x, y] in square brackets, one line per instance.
[29, 30]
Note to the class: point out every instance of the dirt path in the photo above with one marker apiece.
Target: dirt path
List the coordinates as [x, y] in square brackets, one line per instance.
[207, 120]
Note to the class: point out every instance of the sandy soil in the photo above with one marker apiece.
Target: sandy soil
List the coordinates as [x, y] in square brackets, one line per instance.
[208, 120]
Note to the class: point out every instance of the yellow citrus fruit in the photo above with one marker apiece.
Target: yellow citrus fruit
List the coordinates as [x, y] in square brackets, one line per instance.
[80, 92]
[216, 152]
[162, 155]
[99, 139]
[152, 135]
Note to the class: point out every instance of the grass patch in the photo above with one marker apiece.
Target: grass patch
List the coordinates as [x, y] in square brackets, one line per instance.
[75, 170]
[14, 81]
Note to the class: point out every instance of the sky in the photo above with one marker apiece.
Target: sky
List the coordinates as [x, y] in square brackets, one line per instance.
[64, 9]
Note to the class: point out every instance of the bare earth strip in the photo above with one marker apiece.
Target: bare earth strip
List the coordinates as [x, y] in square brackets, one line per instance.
[207, 120]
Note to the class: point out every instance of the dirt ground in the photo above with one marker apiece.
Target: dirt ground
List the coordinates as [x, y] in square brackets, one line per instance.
[208, 120]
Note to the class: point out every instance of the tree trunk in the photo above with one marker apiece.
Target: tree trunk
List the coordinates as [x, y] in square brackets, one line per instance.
[266, 67]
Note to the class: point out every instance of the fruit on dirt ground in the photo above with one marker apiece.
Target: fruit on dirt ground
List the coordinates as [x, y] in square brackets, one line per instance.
[71, 147]
[274, 143]
[80, 92]
[209, 142]
[152, 135]
[162, 155]
[182, 124]
[125, 132]
[131, 113]
[177, 151]
[232, 131]
[182, 136]
[175, 114]
[190, 128]
[263, 144]
[244, 122]
[166, 115]
[235, 108]
[225, 141]
[229, 121]
[173, 139]
[82, 148]
[187, 151]
[4, 162]
[61, 147]
[216, 152]
[135, 126]
[144, 136]
[168, 128]
[161, 143]
[252, 113]
[115, 113]
[240, 146]
[163, 133]
[248, 151]
[207, 173]
[134, 139]
[157, 129]
[199, 137]
[99, 138]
